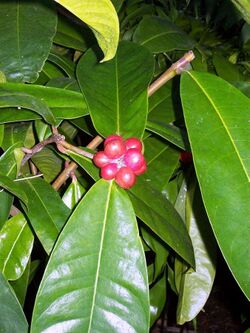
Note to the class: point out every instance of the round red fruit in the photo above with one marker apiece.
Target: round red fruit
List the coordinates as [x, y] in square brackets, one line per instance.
[134, 159]
[133, 143]
[112, 137]
[100, 159]
[125, 177]
[109, 171]
[142, 169]
[114, 149]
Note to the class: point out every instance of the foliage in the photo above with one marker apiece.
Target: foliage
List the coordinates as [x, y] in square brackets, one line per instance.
[91, 256]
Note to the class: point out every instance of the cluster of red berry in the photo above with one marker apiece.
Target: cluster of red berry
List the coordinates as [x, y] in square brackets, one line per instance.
[121, 160]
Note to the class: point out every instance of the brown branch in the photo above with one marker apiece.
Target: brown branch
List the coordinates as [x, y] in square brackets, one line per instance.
[38, 147]
[177, 68]
[72, 166]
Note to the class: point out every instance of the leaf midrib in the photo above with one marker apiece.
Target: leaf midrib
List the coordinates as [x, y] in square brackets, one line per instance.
[158, 35]
[222, 121]
[99, 257]
[45, 208]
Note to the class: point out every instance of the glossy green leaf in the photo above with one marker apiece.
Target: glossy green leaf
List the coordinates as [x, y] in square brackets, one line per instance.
[161, 217]
[195, 287]
[116, 91]
[73, 35]
[6, 200]
[63, 63]
[158, 296]
[19, 100]
[73, 194]
[161, 35]
[169, 132]
[244, 7]
[1, 134]
[20, 286]
[12, 318]
[52, 212]
[154, 210]
[25, 32]
[117, 4]
[48, 163]
[159, 156]
[13, 187]
[64, 104]
[217, 119]
[101, 17]
[161, 106]
[97, 270]
[160, 250]
[16, 243]
[225, 69]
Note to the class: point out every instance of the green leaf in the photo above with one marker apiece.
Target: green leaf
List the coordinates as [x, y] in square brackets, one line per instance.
[1, 134]
[101, 17]
[161, 35]
[12, 318]
[48, 163]
[158, 296]
[25, 38]
[52, 211]
[159, 156]
[217, 119]
[63, 63]
[20, 100]
[6, 200]
[154, 210]
[73, 35]
[64, 104]
[244, 7]
[73, 194]
[14, 188]
[116, 91]
[161, 217]
[225, 69]
[195, 286]
[103, 277]
[117, 4]
[16, 243]
[169, 132]
[20, 286]
[161, 251]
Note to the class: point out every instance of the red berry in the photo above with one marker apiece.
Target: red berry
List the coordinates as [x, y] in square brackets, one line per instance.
[109, 171]
[114, 149]
[142, 169]
[125, 177]
[134, 159]
[100, 159]
[186, 157]
[111, 138]
[133, 143]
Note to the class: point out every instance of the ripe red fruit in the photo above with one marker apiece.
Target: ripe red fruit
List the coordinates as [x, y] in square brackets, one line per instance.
[142, 169]
[114, 148]
[112, 137]
[186, 157]
[133, 143]
[125, 177]
[109, 171]
[100, 159]
[134, 159]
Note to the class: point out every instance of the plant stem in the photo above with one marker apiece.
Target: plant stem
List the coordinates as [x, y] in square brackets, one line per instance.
[177, 68]
[72, 166]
